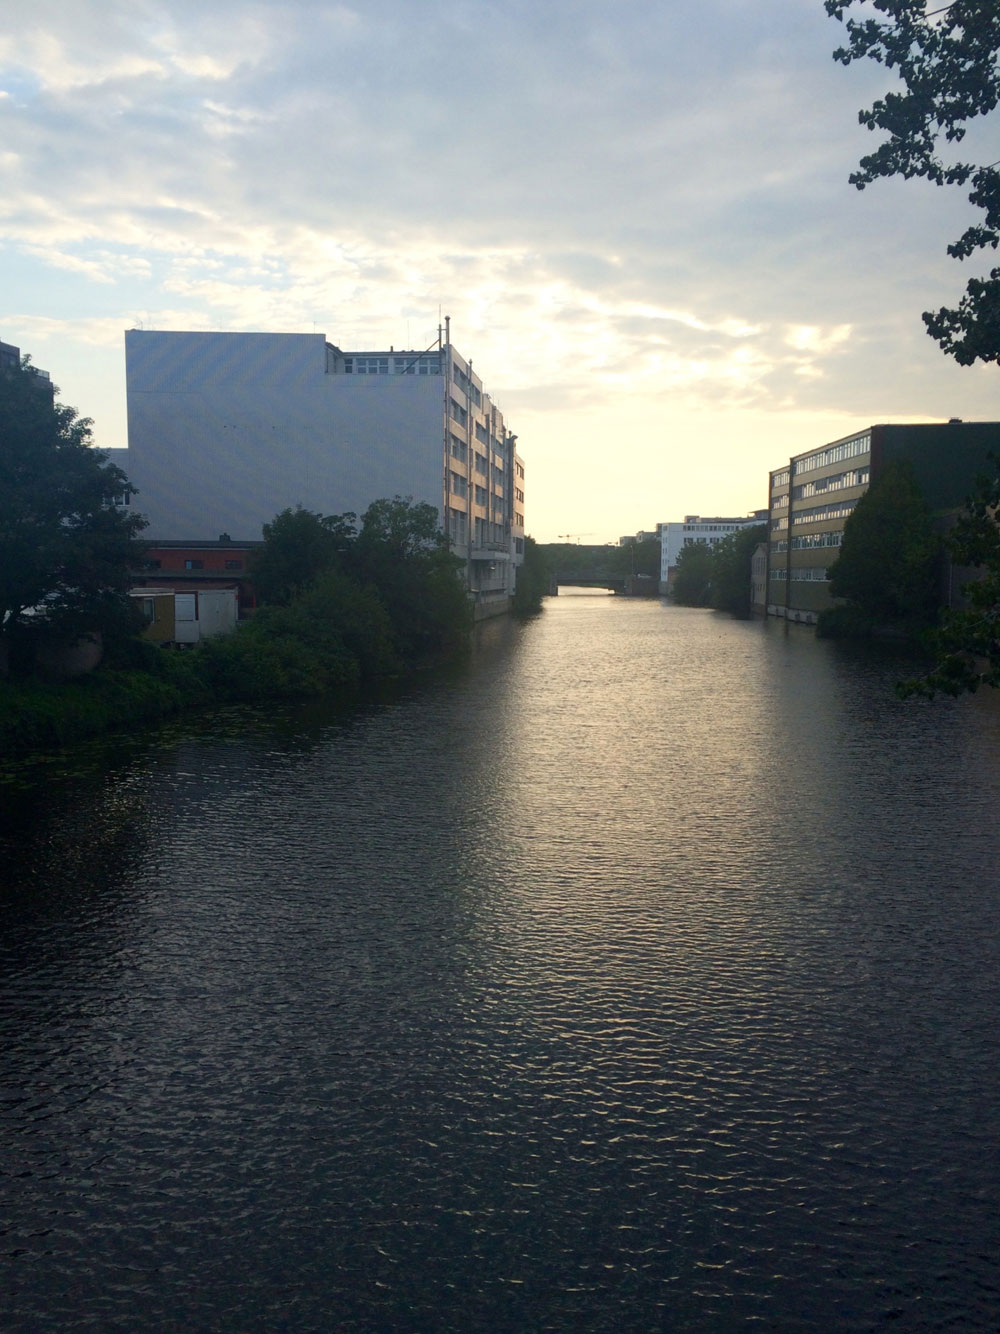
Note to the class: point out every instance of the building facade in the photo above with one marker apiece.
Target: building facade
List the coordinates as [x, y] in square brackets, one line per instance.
[694, 528]
[226, 430]
[811, 497]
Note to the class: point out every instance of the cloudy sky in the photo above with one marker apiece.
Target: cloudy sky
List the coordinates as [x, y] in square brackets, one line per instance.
[636, 214]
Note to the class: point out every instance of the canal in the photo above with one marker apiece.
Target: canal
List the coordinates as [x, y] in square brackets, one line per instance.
[640, 975]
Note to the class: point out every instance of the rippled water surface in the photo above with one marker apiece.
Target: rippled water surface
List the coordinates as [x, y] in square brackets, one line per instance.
[642, 976]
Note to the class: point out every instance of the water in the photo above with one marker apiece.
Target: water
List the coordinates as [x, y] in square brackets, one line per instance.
[642, 976]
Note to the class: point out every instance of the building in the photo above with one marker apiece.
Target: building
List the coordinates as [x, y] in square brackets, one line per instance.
[811, 497]
[10, 360]
[226, 430]
[675, 536]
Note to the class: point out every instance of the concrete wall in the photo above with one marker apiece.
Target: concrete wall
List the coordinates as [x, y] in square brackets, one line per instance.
[226, 430]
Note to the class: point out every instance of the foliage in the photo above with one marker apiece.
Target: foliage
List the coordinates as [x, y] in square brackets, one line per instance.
[732, 559]
[533, 579]
[889, 560]
[692, 586]
[392, 586]
[365, 604]
[402, 553]
[66, 548]
[37, 715]
[946, 58]
[637, 558]
[967, 643]
[299, 545]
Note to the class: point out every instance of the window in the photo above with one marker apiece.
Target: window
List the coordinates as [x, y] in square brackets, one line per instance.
[814, 575]
[482, 435]
[459, 485]
[370, 365]
[459, 413]
[459, 450]
[481, 496]
[481, 463]
[458, 526]
[234, 565]
[416, 365]
[194, 565]
[847, 449]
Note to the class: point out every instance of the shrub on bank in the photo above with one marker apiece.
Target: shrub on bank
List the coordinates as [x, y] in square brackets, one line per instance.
[39, 715]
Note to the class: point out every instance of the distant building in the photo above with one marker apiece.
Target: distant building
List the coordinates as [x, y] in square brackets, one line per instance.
[636, 539]
[675, 536]
[228, 429]
[811, 497]
[10, 359]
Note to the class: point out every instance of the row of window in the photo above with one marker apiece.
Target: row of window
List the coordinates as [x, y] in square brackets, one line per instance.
[710, 528]
[193, 564]
[802, 576]
[853, 477]
[847, 449]
[817, 540]
[781, 478]
[834, 510]
[780, 502]
[400, 365]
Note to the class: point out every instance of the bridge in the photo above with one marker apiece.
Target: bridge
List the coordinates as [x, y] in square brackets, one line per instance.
[574, 565]
[601, 578]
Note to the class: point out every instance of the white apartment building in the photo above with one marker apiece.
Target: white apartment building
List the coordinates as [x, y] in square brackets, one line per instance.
[694, 528]
[225, 430]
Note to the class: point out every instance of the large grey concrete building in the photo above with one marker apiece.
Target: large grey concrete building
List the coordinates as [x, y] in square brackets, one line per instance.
[227, 429]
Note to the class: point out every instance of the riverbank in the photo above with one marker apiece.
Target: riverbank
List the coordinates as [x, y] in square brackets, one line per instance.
[274, 657]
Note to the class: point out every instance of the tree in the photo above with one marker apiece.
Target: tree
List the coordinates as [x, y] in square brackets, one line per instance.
[887, 569]
[967, 643]
[946, 58]
[731, 569]
[637, 558]
[299, 546]
[692, 586]
[533, 578]
[402, 552]
[67, 546]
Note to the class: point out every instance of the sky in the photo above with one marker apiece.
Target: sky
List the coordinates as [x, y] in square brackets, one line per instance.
[637, 216]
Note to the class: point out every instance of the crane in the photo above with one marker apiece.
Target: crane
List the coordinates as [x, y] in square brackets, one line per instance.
[570, 537]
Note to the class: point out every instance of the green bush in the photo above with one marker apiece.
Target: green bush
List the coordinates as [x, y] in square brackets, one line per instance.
[845, 622]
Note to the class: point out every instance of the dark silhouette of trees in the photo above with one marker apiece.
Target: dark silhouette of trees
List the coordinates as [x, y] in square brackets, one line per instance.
[946, 58]
[67, 544]
[888, 566]
[692, 586]
[731, 569]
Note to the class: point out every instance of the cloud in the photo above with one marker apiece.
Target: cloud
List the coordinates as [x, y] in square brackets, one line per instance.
[641, 200]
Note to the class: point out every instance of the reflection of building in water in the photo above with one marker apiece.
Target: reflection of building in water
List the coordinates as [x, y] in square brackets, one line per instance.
[675, 536]
[227, 429]
[810, 498]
